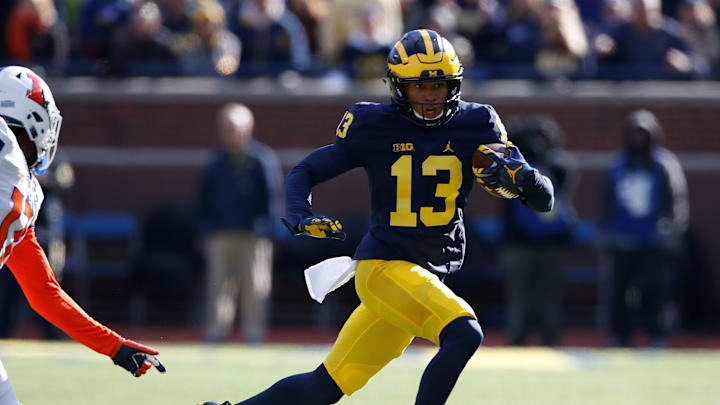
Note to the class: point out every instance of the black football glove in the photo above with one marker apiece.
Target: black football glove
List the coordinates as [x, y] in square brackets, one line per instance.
[508, 172]
[137, 358]
[317, 227]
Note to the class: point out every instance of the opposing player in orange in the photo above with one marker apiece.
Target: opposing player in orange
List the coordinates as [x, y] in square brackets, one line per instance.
[29, 128]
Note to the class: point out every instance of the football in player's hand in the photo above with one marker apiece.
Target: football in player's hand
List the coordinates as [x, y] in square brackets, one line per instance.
[481, 160]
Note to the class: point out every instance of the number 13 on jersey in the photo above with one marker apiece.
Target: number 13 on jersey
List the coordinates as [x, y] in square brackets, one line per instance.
[347, 119]
[402, 170]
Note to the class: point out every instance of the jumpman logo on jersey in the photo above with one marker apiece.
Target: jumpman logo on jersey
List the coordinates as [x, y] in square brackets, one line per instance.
[448, 148]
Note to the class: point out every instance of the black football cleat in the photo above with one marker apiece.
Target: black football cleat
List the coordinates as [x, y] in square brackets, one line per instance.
[214, 403]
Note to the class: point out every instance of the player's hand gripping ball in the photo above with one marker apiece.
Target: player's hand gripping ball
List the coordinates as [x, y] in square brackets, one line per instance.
[487, 161]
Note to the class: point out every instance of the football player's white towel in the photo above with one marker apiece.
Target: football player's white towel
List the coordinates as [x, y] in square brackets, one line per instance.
[328, 275]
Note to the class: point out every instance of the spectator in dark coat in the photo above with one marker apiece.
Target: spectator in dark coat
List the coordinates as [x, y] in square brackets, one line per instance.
[272, 37]
[536, 246]
[238, 203]
[101, 21]
[650, 46]
[211, 49]
[147, 50]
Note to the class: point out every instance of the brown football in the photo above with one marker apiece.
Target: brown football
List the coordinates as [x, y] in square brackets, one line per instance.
[481, 161]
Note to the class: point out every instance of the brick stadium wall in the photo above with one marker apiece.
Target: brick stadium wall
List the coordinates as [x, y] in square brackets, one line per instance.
[591, 124]
[128, 124]
[134, 123]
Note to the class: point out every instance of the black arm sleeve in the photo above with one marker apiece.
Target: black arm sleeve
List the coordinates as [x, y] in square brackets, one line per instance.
[321, 165]
[537, 192]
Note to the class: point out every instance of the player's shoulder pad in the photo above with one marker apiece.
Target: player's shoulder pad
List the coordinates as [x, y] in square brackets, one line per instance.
[5, 132]
[359, 119]
[12, 160]
[485, 118]
[367, 108]
[8, 142]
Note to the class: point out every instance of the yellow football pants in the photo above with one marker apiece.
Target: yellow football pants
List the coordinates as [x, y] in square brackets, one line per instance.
[399, 300]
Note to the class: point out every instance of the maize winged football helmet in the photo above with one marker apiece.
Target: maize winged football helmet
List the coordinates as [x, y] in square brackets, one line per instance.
[27, 102]
[424, 56]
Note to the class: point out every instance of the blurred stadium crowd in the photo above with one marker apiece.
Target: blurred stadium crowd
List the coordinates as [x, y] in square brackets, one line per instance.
[496, 39]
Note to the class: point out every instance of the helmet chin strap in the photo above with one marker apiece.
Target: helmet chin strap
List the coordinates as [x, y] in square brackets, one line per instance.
[422, 117]
[40, 167]
[25, 143]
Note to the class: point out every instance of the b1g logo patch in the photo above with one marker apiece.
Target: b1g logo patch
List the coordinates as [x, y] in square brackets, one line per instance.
[403, 147]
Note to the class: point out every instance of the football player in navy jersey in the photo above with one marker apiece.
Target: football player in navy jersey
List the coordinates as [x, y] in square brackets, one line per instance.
[417, 153]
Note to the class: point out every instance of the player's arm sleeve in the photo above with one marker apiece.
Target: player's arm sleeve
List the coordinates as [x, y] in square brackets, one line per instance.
[319, 166]
[537, 192]
[32, 271]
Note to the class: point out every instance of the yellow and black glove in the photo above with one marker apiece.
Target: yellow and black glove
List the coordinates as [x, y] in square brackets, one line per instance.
[317, 227]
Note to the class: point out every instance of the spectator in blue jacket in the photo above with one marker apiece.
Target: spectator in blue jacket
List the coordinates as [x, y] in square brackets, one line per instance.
[643, 216]
[101, 21]
[238, 202]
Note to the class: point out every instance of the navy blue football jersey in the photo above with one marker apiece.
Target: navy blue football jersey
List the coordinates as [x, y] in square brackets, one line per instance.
[419, 179]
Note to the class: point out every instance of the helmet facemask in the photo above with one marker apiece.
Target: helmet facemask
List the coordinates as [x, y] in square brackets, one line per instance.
[46, 144]
[402, 102]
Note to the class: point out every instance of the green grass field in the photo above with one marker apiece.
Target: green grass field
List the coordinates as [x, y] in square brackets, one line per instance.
[69, 374]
